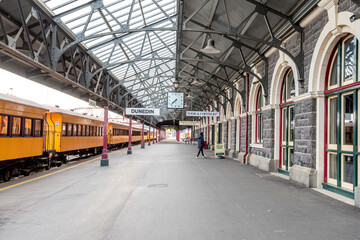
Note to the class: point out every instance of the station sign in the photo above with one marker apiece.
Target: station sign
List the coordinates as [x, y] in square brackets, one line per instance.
[143, 111]
[92, 103]
[202, 114]
[189, 123]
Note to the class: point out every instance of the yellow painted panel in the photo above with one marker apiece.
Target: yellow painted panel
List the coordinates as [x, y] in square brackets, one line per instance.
[81, 120]
[20, 147]
[136, 138]
[120, 139]
[9, 108]
[74, 143]
[53, 131]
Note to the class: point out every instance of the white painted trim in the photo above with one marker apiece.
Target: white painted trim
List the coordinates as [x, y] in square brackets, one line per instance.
[243, 115]
[282, 65]
[311, 16]
[256, 145]
[270, 52]
[268, 107]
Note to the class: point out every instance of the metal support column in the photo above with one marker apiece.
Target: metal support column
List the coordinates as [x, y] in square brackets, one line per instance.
[149, 138]
[153, 135]
[104, 156]
[142, 136]
[129, 151]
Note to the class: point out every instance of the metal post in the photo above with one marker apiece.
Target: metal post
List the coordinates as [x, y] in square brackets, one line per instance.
[149, 139]
[157, 140]
[142, 136]
[153, 135]
[177, 134]
[129, 151]
[104, 156]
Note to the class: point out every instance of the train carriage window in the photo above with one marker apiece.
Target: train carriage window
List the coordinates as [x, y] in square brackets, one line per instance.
[87, 130]
[69, 129]
[102, 131]
[28, 127]
[4, 124]
[79, 130]
[83, 130]
[74, 129]
[16, 126]
[63, 129]
[38, 128]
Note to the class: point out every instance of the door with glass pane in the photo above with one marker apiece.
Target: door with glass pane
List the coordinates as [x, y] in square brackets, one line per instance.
[287, 137]
[342, 137]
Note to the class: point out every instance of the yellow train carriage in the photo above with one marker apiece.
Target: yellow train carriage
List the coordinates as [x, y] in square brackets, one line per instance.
[118, 133]
[21, 135]
[73, 133]
[136, 135]
[21, 128]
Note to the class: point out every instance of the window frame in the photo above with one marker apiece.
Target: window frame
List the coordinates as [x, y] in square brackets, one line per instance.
[12, 126]
[7, 134]
[259, 117]
[287, 104]
[339, 91]
[31, 127]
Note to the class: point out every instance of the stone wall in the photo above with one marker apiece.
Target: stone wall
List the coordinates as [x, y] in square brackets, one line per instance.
[233, 134]
[311, 36]
[305, 133]
[348, 5]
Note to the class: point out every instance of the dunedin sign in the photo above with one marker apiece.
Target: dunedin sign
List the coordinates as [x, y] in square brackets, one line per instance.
[143, 111]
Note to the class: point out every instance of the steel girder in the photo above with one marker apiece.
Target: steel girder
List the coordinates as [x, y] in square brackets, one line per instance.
[43, 38]
[64, 54]
[274, 39]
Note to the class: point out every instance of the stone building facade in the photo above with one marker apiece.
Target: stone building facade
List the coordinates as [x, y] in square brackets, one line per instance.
[286, 134]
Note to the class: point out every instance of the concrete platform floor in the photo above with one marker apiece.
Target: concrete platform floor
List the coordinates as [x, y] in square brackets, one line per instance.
[163, 192]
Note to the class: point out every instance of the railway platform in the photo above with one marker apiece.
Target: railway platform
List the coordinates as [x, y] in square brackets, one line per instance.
[164, 192]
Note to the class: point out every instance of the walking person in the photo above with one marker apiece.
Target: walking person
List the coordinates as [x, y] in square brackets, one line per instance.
[201, 145]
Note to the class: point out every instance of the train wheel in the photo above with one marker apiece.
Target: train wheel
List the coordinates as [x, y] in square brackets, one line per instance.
[6, 175]
[58, 164]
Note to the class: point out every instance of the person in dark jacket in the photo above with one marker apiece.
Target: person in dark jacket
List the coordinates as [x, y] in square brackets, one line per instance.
[201, 145]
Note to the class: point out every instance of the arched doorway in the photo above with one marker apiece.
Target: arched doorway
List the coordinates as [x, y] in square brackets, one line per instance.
[287, 122]
[342, 94]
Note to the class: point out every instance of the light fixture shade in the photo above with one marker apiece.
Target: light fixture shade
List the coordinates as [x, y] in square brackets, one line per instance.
[176, 84]
[210, 47]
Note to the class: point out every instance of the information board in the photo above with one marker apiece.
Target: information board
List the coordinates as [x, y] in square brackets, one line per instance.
[201, 114]
[219, 149]
[189, 123]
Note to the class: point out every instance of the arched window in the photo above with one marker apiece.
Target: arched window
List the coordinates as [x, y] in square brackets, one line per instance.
[259, 116]
[342, 118]
[287, 122]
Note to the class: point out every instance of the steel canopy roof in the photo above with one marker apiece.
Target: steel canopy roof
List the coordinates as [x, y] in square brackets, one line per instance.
[148, 45]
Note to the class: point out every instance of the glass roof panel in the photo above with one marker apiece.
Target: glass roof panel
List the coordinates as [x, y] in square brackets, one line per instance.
[114, 31]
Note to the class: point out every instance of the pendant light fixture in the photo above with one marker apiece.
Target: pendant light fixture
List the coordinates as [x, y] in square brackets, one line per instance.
[210, 48]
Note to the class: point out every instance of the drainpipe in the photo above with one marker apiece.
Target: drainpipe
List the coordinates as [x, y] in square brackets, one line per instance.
[247, 119]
